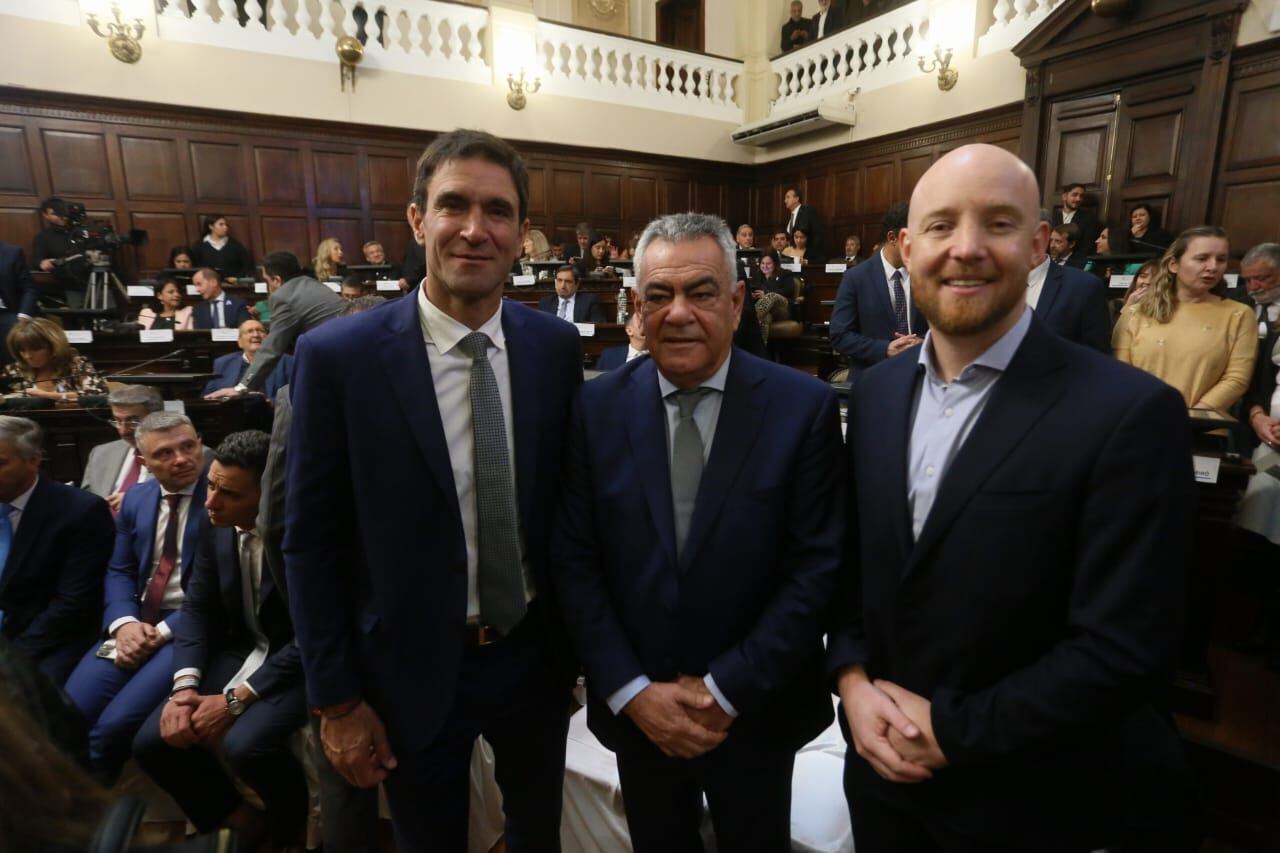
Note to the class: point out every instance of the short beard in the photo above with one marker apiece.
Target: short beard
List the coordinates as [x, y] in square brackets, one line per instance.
[970, 319]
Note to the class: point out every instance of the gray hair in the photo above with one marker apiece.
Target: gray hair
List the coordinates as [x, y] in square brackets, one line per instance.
[160, 422]
[24, 434]
[1265, 253]
[362, 303]
[682, 227]
[136, 395]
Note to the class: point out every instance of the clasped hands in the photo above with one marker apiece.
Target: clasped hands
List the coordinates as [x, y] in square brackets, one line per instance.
[681, 717]
[135, 642]
[892, 727]
[189, 718]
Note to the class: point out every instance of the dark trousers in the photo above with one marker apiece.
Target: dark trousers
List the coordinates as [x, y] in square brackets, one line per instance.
[747, 787]
[256, 748]
[348, 815]
[507, 692]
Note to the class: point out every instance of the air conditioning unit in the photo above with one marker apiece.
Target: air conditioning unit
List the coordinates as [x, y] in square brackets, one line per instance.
[834, 112]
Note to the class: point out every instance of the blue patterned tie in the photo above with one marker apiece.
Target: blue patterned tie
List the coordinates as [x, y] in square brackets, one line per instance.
[6, 539]
[500, 575]
[899, 304]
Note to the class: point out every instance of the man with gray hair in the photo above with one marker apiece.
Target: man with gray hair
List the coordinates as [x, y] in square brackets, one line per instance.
[118, 684]
[1260, 272]
[114, 467]
[54, 545]
[696, 546]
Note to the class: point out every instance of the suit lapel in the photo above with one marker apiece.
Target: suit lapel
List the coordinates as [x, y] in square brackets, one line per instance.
[1052, 287]
[891, 424]
[881, 289]
[647, 434]
[146, 531]
[523, 363]
[33, 518]
[191, 533]
[404, 357]
[737, 428]
[1032, 383]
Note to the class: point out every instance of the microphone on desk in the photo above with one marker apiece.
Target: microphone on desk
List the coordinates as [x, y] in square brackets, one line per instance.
[128, 370]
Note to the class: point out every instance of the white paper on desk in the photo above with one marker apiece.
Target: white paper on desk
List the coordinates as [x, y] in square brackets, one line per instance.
[793, 267]
[1121, 282]
[175, 406]
[259, 287]
[586, 330]
[383, 284]
[332, 286]
[79, 336]
[1232, 279]
[139, 290]
[1206, 468]
[629, 281]
[192, 290]
[231, 335]
[523, 280]
[156, 336]
[837, 267]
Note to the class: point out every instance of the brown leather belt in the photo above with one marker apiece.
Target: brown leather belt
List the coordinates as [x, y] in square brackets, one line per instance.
[476, 634]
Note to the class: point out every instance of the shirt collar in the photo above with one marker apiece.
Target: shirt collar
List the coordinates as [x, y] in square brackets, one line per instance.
[715, 382]
[188, 491]
[890, 269]
[20, 502]
[1039, 272]
[444, 332]
[996, 357]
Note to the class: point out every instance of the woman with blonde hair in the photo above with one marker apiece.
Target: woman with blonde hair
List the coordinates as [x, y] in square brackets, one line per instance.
[46, 366]
[536, 247]
[328, 261]
[1183, 333]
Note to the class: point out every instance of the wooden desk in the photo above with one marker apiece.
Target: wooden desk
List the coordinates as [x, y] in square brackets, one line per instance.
[189, 353]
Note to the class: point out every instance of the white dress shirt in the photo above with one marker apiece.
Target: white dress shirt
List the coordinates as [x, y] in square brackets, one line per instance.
[451, 375]
[822, 23]
[173, 589]
[1035, 282]
[632, 352]
[1067, 215]
[889, 270]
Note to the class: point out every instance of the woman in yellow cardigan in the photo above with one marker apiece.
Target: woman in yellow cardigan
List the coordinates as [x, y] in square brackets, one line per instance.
[1181, 332]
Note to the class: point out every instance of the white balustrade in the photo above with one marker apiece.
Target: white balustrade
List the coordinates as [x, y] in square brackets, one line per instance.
[1011, 21]
[585, 64]
[871, 55]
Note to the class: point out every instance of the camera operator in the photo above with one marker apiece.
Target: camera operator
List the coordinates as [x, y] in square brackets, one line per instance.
[52, 244]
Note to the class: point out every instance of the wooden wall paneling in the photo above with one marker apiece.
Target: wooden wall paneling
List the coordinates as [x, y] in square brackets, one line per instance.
[390, 180]
[538, 192]
[1252, 139]
[640, 200]
[164, 231]
[394, 235]
[568, 195]
[1247, 188]
[217, 172]
[241, 227]
[737, 204]
[150, 168]
[846, 201]
[676, 195]
[707, 197]
[15, 163]
[78, 166]
[285, 234]
[280, 177]
[348, 232]
[1250, 212]
[336, 179]
[1081, 132]
[910, 171]
[879, 193]
[604, 196]
[18, 225]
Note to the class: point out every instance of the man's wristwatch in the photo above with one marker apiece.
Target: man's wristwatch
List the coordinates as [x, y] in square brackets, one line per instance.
[241, 388]
[235, 705]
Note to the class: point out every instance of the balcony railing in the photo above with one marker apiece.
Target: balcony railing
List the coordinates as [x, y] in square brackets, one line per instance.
[1011, 21]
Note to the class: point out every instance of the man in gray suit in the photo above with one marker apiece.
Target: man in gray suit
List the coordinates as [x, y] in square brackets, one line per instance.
[297, 304]
[115, 467]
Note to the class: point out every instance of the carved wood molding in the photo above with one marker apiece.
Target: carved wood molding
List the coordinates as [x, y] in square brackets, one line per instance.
[1254, 67]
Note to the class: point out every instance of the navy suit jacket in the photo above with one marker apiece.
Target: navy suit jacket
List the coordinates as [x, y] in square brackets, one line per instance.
[862, 321]
[51, 589]
[1072, 305]
[747, 596]
[229, 369]
[374, 549]
[586, 307]
[213, 616]
[17, 289]
[130, 568]
[236, 311]
[1040, 608]
[612, 358]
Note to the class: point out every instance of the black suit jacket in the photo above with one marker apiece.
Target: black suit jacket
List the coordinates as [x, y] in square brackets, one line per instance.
[807, 221]
[1263, 383]
[16, 287]
[1040, 608]
[1087, 221]
[835, 20]
[214, 620]
[51, 591]
[586, 307]
[862, 322]
[612, 357]
[1072, 305]
[235, 312]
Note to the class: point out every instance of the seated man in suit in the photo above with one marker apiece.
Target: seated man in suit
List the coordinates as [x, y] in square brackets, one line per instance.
[582, 245]
[1063, 242]
[1010, 608]
[232, 366]
[852, 246]
[874, 316]
[219, 310]
[745, 236]
[115, 467]
[1070, 302]
[353, 286]
[375, 254]
[156, 538]
[55, 542]
[694, 552]
[779, 241]
[636, 347]
[568, 304]
[237, 677]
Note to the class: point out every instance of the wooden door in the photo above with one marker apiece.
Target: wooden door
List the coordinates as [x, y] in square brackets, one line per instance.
[680, 24]
[1079, 147]
[1150, 129]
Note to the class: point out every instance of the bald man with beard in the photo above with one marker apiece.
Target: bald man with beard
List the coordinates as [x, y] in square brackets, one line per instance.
[1010, 605]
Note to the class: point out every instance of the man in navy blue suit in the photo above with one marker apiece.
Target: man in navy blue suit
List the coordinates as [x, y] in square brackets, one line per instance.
[695, 553]
[874, 316]
[232, 366]
[615, 357]
[219, 310]
[17, 292]
[54, 545]
[1070, 302]
[567, 303]
[236, 674]
[156, 538]
[1019, 528]
[421, 479]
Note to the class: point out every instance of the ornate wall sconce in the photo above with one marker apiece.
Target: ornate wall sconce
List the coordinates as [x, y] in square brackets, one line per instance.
[122, 38]
[941, 60]
[350, 52]
[520, 88]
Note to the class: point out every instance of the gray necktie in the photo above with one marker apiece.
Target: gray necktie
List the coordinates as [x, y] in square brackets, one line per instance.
[686, 462]
[564, 309]
[500, 578]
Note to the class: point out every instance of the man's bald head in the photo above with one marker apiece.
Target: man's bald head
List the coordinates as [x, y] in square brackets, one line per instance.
[979, 165]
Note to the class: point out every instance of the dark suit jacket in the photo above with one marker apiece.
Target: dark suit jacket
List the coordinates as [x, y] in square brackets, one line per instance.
[612, 358]
[1078, 258]
[745, 599]
[862, 322]
[586, 307]
[1086, 220]
[231, 367]
[372, 510]
[835, 20]
[807, 221]
[130, 568]
[271, 509]
[16, 286]
[1263, 383]
[213, 616]
[1072, 305]
[1040, 609]
[51, 589]
[236, 311]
